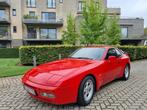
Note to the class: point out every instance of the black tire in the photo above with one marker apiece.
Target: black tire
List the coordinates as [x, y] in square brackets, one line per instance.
[126, 75]
[83, 87]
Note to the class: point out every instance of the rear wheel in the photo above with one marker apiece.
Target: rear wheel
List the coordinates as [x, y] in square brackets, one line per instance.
[86, 91]
[126, 73]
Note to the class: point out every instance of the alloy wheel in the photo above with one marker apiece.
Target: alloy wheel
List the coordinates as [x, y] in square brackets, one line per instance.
[88, 90]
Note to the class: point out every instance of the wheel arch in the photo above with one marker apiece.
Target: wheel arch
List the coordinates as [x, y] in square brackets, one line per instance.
[129, 65]
[87, 75]
[94, 77]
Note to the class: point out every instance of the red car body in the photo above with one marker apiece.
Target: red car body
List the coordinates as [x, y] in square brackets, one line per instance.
[63, 77]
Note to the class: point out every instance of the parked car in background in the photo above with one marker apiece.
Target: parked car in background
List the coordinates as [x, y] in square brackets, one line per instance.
[77, 78]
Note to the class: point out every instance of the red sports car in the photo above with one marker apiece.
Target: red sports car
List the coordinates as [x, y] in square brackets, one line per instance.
[77, 78]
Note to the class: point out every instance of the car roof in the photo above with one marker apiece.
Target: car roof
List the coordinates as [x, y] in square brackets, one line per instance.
[107, 47]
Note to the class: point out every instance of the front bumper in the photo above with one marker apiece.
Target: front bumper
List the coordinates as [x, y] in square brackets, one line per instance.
[62, 94]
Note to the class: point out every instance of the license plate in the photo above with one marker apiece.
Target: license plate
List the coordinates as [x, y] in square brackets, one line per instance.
[30, 90]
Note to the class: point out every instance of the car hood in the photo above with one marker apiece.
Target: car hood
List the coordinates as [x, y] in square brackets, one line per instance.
[50, 73]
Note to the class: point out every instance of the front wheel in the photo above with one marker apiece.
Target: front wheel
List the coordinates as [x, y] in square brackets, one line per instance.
[126, 73]
[86, 91]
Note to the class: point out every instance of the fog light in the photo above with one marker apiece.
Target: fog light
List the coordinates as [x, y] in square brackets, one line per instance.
[48, 95]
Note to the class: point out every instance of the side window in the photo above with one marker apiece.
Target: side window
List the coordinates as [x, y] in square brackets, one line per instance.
[121, 51]
[118, 52]
[111, 52]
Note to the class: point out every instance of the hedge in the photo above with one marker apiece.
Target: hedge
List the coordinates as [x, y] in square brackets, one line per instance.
[135, 52]
[50, 53]
[9, 52]
[44, 53]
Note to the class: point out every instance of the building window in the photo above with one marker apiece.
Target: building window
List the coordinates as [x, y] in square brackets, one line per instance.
[14, 29]
[4, 31]
[14, 12]
[2, 14]
[32, 13]
[51, 3]
[81, 5]
[31, 3]
[53, 33]
[32, 33]
[124, 32]
[48, 16]
[61, 1]
[3, 45]
[48, 34]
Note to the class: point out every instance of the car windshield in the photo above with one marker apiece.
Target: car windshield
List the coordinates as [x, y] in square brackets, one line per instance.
[88, 53]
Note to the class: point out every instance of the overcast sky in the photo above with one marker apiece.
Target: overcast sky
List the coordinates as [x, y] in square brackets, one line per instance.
[131, 8]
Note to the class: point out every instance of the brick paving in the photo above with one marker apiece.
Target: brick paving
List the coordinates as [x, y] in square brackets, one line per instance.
[118, 95]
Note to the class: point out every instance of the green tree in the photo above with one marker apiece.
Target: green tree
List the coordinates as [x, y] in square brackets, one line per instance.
[70, 36]
[93, 25]
[113, 31]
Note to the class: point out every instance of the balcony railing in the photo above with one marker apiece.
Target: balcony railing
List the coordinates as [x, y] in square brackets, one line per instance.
[5, 36]
[5, 3]
[4, 20]
[30, 36]
[51, 22]
[33, 37]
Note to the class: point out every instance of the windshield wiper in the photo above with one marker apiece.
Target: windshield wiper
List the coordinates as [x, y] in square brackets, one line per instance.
[82, 58]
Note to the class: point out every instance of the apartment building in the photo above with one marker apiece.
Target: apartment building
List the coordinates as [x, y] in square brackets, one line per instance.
[32, 22]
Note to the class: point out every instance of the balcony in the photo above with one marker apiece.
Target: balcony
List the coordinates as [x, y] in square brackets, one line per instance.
[114, 11]
[5, 37]
[37, 22]
[30, 36]
[5, 3]
[4, 20]
[33, 37]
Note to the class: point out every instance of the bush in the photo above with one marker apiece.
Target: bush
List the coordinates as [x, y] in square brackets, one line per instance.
[30, 17]
[51, 53]
[44, 53]
[9, 53]
[135, 52]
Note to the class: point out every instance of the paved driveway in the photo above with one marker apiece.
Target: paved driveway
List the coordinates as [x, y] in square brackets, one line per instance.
[118, 95]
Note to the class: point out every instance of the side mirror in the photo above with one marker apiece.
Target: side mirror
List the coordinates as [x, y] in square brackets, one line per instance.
[111, 58]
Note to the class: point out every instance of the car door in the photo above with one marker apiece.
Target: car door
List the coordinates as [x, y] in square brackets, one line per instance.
[118, 62]
[111, 66]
